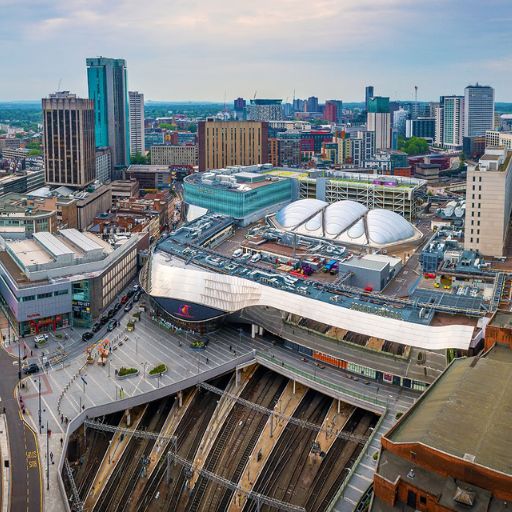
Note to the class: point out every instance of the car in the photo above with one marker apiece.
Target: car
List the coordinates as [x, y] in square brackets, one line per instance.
[96, 327]
[256, 257]
[31, 368]
[130, 294]
[136, 297]
[237, 253]
[111, 313]
[112, 325]
[103, 320]
[128, 307]
[136, 287]
[117, 307]
[86, 336]
[124, 299]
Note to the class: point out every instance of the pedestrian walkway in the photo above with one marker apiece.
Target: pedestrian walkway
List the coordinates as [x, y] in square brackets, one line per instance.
[361, 477]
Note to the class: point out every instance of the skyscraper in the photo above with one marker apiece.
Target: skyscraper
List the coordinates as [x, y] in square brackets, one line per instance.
[136, 102]
[478, 109]
[379, 121]
[108, 89]
[312, 104]
[368, 94]
[69, 149]
[453, 122]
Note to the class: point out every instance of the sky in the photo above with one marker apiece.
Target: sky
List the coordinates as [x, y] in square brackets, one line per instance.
[213, 50]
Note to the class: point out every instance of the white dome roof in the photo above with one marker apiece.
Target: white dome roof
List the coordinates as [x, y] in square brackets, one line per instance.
[384, 226]
[387, 227]
[338, 216]
[298, 211]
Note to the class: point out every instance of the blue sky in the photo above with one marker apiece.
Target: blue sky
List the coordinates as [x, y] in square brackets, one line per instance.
[207, 49]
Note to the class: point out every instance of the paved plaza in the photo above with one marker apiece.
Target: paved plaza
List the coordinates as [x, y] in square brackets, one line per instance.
[69, 385]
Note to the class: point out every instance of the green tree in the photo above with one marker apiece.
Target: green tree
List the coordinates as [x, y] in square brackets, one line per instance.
[413, 146]
[138, 158]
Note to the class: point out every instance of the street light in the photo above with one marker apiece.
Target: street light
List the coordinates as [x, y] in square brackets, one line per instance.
[40, 421]
[47, 458]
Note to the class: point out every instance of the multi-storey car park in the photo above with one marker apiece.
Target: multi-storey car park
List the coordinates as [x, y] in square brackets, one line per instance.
[407, 342]
[395, 193]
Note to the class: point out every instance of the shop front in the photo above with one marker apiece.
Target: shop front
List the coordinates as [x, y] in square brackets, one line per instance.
[37, 324]
[81, 304]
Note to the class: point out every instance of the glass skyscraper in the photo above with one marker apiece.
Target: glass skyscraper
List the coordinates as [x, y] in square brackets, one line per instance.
[108, 89]
[478, 110]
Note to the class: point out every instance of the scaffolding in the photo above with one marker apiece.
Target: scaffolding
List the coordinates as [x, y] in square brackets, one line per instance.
[260, 499]
[290, 419]
[78, 505]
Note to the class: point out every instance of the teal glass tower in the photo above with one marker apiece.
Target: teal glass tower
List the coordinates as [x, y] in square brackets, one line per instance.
[108, 88]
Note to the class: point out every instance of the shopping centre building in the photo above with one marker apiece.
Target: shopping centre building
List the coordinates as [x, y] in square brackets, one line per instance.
[53, 281]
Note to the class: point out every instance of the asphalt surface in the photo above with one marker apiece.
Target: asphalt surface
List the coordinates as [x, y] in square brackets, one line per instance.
[26, 477]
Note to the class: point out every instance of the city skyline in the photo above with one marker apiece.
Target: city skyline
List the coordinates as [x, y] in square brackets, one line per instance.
[188, 53]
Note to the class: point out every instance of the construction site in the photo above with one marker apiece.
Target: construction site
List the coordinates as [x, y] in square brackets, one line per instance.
[249, 440]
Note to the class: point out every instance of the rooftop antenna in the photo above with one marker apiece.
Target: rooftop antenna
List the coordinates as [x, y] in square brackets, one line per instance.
[254, 97]
[416, 93]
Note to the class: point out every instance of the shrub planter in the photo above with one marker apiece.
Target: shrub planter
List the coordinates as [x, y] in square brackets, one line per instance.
[158, 370]
[125, 373]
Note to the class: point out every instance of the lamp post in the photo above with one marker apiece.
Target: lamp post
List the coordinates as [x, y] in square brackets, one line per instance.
[39, 393]
[47, 458]
[19, 357]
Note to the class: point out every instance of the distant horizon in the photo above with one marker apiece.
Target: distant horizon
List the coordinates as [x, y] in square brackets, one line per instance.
[221, 102]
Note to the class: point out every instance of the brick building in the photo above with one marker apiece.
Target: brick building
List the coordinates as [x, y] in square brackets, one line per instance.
[452, 450]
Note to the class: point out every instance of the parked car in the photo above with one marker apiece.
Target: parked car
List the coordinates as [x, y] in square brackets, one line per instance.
[136, 297]
[130, 294]
[111, 313]
[237, 253]
[112, 325]
[124, 299]
[117, 307]
[128, 307]
[96, 327]
[86, 336]
[103, 320]
[31, 368]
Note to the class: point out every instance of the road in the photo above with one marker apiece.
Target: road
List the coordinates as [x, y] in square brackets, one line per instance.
[26, 477]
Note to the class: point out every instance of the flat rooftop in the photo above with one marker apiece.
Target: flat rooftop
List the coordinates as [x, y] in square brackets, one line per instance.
[467, 412]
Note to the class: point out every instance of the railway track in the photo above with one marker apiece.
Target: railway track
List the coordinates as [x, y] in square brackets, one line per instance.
[290, 453]
[332, 471]
[238, 436]
[121, 479]
[195, 420]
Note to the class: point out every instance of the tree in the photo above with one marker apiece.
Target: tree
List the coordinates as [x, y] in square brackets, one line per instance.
[139, 159]
[413, 146]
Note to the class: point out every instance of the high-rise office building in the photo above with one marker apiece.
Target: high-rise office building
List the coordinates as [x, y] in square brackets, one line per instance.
[488, 203]
[108, 89]
[239, 106]
[478, 110]
[453, 122]
[312, 104]
[136, 103]
[379, 121]
[439, 128]
[69, 149]
[400, 117]
[330, 111]
[265, 110]
[368, 94]
[225, 143]
[333, 111]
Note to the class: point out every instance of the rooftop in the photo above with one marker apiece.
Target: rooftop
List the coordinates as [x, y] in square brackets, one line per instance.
[466, 412]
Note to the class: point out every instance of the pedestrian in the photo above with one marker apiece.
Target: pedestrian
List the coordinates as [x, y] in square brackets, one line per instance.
[207, 361]
[61, 442]
[31, 353]
[230, 348]
[62, 418]
[51, 457]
